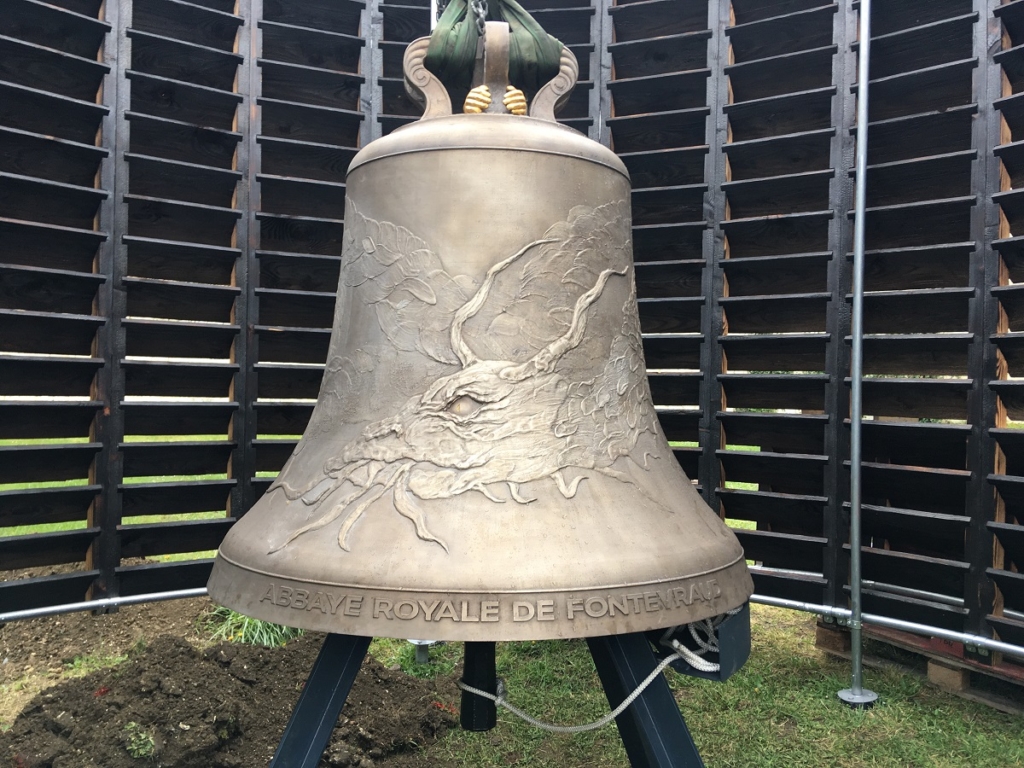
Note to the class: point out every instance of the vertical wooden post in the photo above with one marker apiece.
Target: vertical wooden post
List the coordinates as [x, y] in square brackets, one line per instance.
[242, 464]
[713, 284]
[983, 320]
[104, 554]
[838, 317]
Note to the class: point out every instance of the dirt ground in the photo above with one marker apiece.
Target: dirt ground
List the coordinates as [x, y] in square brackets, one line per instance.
[174, 704]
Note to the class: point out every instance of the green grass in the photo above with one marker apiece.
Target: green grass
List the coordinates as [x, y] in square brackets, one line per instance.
[779, 711]
[224, 624]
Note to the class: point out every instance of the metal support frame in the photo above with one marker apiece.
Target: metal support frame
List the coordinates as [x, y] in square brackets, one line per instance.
[320, 703]
[856, 695]
[652, 729]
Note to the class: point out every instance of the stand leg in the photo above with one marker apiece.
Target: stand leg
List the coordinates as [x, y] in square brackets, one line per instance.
[320, 703]
[478, 713]
[652, 728]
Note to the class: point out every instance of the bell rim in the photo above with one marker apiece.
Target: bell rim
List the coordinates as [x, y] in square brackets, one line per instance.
[470, 622]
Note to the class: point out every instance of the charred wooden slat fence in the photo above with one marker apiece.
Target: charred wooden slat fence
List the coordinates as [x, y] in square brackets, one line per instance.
[172, 177]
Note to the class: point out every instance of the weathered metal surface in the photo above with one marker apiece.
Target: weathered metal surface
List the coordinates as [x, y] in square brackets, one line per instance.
[484, 461]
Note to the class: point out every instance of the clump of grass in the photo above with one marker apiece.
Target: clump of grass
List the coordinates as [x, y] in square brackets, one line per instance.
[137, 741]
[224, 624]
[443, 657]
[92, 662]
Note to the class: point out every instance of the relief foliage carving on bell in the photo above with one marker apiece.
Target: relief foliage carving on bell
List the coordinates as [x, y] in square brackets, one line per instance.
[515, 405]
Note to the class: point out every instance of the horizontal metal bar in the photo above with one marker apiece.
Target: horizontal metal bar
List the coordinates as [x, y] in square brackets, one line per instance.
[904, 626]
[821, 610]
[94, 605]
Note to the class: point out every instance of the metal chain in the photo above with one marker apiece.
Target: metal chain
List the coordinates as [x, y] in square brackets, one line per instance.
[479, 8]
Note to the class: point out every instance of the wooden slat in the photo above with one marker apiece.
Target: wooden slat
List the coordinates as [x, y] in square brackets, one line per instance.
[784, 352]
[672, 350]
[179, 300]
[310, 46]
[802, 152]
[911, 609]
[179, 100]
[779, 550]
[661, 54]
[34, 154]
[155, 539]
[775, 432]
[188, 418]
[177, 379]
[37, 66]
[656, 18]
[675, 388]
[46, 506]
[38, 549]
[24, 594]
[186, 21]
[779, 472]
[66, 205]
[781, 115]
[1011, 537]
[783, 512]
[800, 391]
[202, 457]
[777, 235]
[54, 27]
[662, 130]
[177, 180]
[169, 260]
[40, 375]
[918, 398]
[783, 33]
[163, 577]
[333, 15]
[184, 61]
[167, 338]
[31, 419]
[777, 75]
[175, 498]
[921, 46]
[282, 418]
[801, 273]
[929, 574]
[46, 463]
[795, 313]
[32, 110]
[665, 167]
[47, 332]
[672, 91]
[917, 267]
[47, 290]
[931, 133]
[792, 193]
[920, 178]
[178, 140]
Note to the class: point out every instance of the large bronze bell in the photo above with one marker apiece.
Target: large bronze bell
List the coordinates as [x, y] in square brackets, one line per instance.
[484, 461]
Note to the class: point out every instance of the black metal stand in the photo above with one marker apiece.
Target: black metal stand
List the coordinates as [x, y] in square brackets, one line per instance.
[652, 728]
[320, 702]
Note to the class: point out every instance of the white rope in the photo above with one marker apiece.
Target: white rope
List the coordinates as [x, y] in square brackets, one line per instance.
[693, 658]
[500, 701]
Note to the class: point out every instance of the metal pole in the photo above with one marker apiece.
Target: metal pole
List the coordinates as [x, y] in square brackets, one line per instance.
[856, 696]
[94, 605]
[433, 14]
[902, 625]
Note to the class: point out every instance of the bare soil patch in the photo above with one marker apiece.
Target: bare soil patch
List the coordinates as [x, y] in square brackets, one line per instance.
[173, 704]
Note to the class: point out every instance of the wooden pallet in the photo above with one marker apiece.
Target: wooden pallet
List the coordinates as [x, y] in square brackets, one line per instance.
[948, 665]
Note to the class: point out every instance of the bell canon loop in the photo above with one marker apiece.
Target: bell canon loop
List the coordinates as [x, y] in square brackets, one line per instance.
[484, 461]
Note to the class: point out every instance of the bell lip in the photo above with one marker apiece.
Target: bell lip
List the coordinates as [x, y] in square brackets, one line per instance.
[232, 585]
[488, 131]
